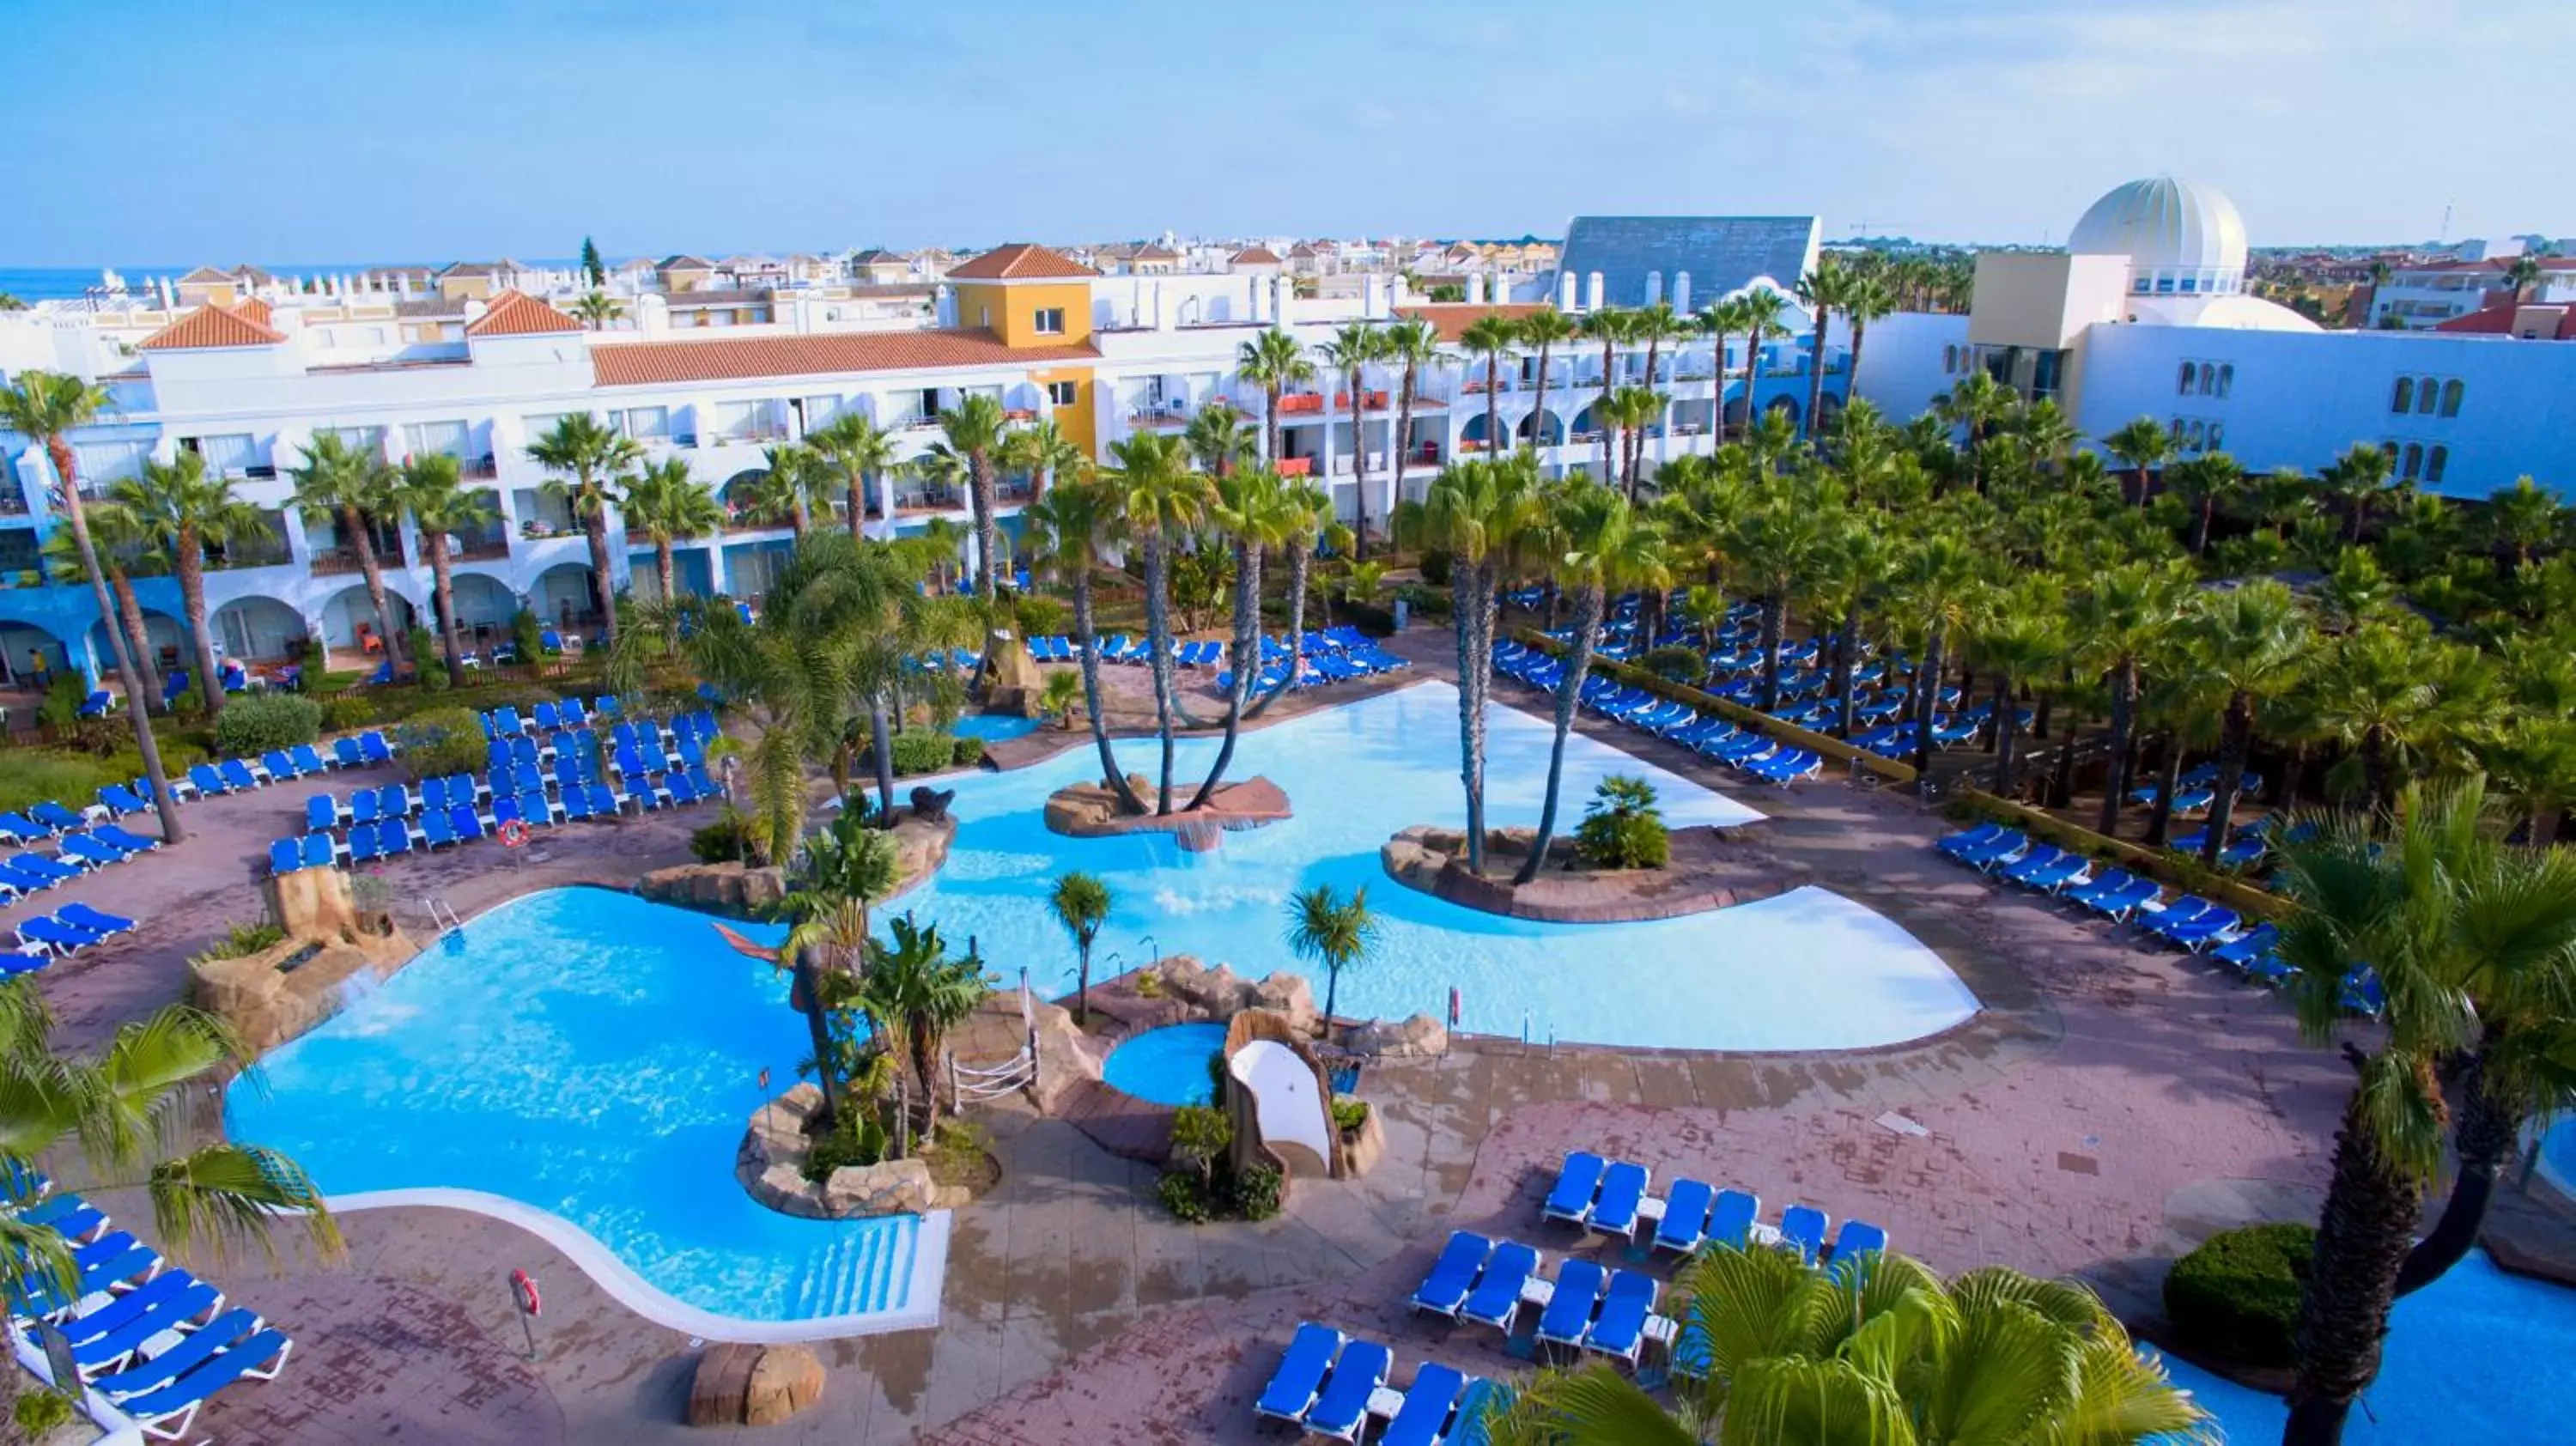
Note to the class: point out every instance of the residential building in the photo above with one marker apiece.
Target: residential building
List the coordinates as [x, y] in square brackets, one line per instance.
[2428, 293]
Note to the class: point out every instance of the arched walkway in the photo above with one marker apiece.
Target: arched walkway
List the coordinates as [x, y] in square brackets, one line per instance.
[258, 629]
[1553, 433]
[1735, 411]
[349, 618]
[23, 646]
[1785, 404]
[1472, 438]
[563, 596]
[740, 492]
[482, 600]
[168, 639]
[1829, 410]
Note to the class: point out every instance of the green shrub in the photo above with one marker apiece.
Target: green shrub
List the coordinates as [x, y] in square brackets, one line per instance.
[718, 842]
[1435, 567]
[1186, 1196]
[854, 1139]
[970, 751]
[1255, 1193]
[921, 751]
[1621, 828]
[33, 775]
[40, 1412]
[2237, 1296]
[422, 644]
[239, 941]
[527, 635]
[343, 714]
[317, 658]
[1349, 1114]
[255, 724]
[441, 741]
[62, 701]
[1038, 617]
[1675, 664]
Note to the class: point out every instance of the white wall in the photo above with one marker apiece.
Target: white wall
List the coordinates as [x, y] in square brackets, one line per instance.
[1900, 361]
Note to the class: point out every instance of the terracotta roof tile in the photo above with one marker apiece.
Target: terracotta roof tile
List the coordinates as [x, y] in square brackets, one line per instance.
[1452, 318]
[257, 311]
[515, 313]
[742, 358]
[1256, 256]
[204, 274]
[211, 326]
[1020, 261]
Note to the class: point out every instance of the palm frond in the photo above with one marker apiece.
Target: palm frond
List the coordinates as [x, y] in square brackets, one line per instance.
[221, 1199]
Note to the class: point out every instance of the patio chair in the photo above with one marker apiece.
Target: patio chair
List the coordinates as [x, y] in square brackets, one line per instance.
[286, 856]
[1802, 1228]
[1453, 1275]
[1858, 1241]
[1730, 1221]
[1623, 1191]
[1620, 1330]
[1577, 1181]
[1685, 1221]
[1423, 1419]
[81, 915]
[1496, 1300]
[1299, 1377]
[1567, 1317]
[1340, 1411]
[54, 816]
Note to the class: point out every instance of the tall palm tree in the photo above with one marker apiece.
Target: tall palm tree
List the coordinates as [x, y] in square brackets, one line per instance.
[914, 992]
[1042, 453]
[2522, 519]
[1654, 325]
[2125, 616]
[596, 309]
[2360, 474]
[1632, 410]
[1846, 578]
[1824, 289]
[1610, 326]
[2143, 446]
[1481, 512]
[183, 510]
[1410, 346]
[586, 456]
[1327, 929]
[1218, 439]
[837, 879]
[1941, 587]
[118, 1109]
[1769, 549]
[1306, 518]
[1978, 405]
[1759, 320]
[433, 492]
[351, 489]
[126, 549]
[2200, 481]
[2253, 641]
[974, 428]
[1354, 348]
[2523, 273]
[1081, 904]
[2388, 693]
[1162, 500]
[667, 505]
[861, 451]
[1868, 300]
[1542, 331]
[2022, 641]
[1073, 522]
[1599, 543]
[801, 482]
[1273, 361]
[1252, 514]
[1492, 335]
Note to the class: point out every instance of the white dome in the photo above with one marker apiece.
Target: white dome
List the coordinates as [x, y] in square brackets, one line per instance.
[2180, 238]
[2235, 313]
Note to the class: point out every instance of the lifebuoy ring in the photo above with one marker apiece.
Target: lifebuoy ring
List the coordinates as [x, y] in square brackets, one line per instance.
[525, 1286]
[514, 834]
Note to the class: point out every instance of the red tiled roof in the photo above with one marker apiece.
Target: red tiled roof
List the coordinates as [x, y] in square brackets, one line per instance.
[2498, 320]
[515, 313]
[739, 358]
[204, 274]
[1020, 261]
[256, 310]
[1452, 318]
[211, 326]
[1257, 256]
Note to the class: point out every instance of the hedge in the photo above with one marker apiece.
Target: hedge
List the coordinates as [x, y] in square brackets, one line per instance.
[2237, 1296]
[441, 741]
[255, 724]
[920, 751]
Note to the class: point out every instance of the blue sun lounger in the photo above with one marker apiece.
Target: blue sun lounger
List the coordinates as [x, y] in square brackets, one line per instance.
[2067, 868]
[1423, 1419]
[207, 781]
[1685, 1222]
[237, 775]
[1803, 1227]
[54, 816]
[172, 1308]
[90, 851]
[2124, 900]
[144, 1300]
[1957, 843]
[1620, 1332]
[285, 856]
[1568, 1315]
[1730, 1222]
[167, 1411]
[2165, 921]
[1341, 1409]
[2245, 948]
[1453, 1275]
[83, 916]
[2002, 848]
[118, 799]
[1623, 1190]
[1859, 1239]
[45, 934]
[2198, 932]
[1300, 1374]
[1496, 1300]
[115, 837]
[1576, 1183]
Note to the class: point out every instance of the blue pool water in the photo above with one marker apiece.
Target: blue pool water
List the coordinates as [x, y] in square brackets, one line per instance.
[1805, 970]
[993, 727]
[2477, 1357]
[1168, 1065]
[595, 1056]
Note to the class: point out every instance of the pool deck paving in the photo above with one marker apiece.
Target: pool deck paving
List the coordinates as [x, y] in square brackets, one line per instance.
[2082, 1121]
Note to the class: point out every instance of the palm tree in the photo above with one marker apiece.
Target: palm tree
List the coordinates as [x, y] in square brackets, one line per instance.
[2022, 641]
[1823, 289]
[1491, 334]
[838, 878]
[2361, 473]
[861, 452]
[1941, 590]
[1846, 577]
[2387, 692]
[1600, 544]
[587, 456]
[1542, 331]
[596, 309]
[127, 550]
[183, 510]
[2523, 273]
[2123, 617]
[2523, 518]
[1654, 325]
[1252, 514]
[1759, 319]
[45, 405]
[1868, 300]
[1218, 440]
[118, 1109]
[1306, 518]
[1081, 903]
[2143, 445]
[795, 480]
[2253, 641]
[1273, 361]
[1072, 523]
[1977, 405]
[914, 993]
[433, 492]
[667, 505]
[1480, 512]
[1162, 500]
[1629, 412]
[1410, 346]
[1354, 347]
[1784, 1351]
[1041, 453]
[1325, 928]
[350, 489]
[2200, 481]
[1610, 326]
[1769, 549]
[974, 428]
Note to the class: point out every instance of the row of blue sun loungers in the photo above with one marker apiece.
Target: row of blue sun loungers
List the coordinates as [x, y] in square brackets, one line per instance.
[70, 928]
[1610, 1197]
[1763, 757]
[78, 853]
[1334, 1386]
[506, 722]
[393, 830]
[146, 1336]
[1586, 1307]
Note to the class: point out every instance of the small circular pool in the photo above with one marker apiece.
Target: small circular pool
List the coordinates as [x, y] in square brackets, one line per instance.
[994, 727]
[1168, 1065]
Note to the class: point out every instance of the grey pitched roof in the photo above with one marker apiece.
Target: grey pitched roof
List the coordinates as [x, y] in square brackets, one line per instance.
[1721, 253]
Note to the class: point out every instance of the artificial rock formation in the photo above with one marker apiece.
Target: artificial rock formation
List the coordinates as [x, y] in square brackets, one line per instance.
[1710, 869]
[1421, 1037]
[1011, 678]
[734, 890]
[771, 1165]
[1220, 993]
[1090, 810]
[751, 1385]
[287, 988]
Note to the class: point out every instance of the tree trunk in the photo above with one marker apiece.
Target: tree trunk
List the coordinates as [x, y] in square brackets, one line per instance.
[67, 474]
[2124, 707]
[1467, 622]
[1538, 410]
[881, 746]
[2007, 730]
[603, 581]
[1493, 405]
[2061, 789]
[1569, 691]
[807, 995]
[858, 506]
[1752, 369]
[663, 569]
[1128, 802]
[1816, 369]
[1846, 639]
[1398, 443]
[1298, 563]
[1270, 425]
[988, 527]
[2168, 783]
[442, 584]
[1359, 470]
[1774, 614]
[1247, 656]
[2200, 532]
[1601, 416]
[191, 567]
[2236, 739]
[1858, 326]
[1158, 652]
[365, 543]
[2485, 1130]
[2363, 1237]
[1926, 701]
[129, 612]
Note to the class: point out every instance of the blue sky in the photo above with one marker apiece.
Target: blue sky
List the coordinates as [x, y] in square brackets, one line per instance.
[294, 131]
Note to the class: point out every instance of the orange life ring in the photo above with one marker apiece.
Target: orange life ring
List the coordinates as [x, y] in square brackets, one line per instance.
[514, 834]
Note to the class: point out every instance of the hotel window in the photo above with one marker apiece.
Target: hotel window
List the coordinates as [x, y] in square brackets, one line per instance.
[644, 424]
[1061, 394]
[2404, 401]
[1949, 360]
[103, 462]
[2452, 391]
[2425, 391]
[2226, 379]
[2217, 436]
[231, 455]
[820, 411]
[2183, 388]
[929, 405]
[369, 440]
[2438, 460]
[2208, 378]
[426, 439]
[2414, 462]
[1050, 321]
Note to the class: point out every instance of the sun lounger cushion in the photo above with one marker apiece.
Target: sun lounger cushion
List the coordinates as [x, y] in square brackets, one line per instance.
[1569, 1310]
[1576, 1183]
[1453, 1275]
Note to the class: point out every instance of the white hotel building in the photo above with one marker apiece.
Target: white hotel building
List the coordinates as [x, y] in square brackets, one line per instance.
[248, 375]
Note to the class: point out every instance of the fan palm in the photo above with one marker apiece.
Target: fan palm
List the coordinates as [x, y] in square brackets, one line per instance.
[2360, 474]
[126, 549]
[1759, 319]
[1355, 347]
[1611, 326]
[1599, 544]
[1273, 361]
[1073, 522]
[2114, 624]
[1042, 453]
[838, 878]
[2253, 642]
[1162, 500]
[2200, 481]
[1868, 300]
[1306, 519]
[596, 309]
[351, 489]
[1940, 586]
[1977, 405]
[184, 510]
[432, 490]
[2523, 518]
[1769, 550]
[861, 452]
[1325, 928]
[1491, 335]
[1410, 346]
[1847, 576]
[586, 456]
[1654, 325]
[1218, 440]
[1542, 331]
[974, 430]
[2393, 695]
[667, 505]
[914, 992]
[1826, 287]
[1482, 512]
[2022, 641]
[1081, 904]
[1252, 514]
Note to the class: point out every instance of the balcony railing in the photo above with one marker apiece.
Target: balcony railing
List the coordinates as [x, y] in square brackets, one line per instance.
[1158, 415]
[1302, 404]
[753, 436]
[239, 555]
[13, 498]
[483, 468]
[479, 549]
[331, 560]
[928, 499]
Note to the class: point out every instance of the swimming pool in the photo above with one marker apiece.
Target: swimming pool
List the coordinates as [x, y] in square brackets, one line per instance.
[1805, 970]
[2471, 1359]
[993, 727]
[1168, 1066]
[593, 1056]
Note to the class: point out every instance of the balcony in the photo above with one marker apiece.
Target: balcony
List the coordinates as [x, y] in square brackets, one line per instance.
[1296, 466]
[761, 434]
[330, 561]
[1159, 414]
[481, 547]
[261, 552]
[927, 499]
[13, 498]
[1019, 414]
[1302, 404]
[1374, 401]
[478, 469]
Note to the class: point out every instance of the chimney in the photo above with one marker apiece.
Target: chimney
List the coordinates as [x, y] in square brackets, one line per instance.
[1654, 287]
[1475, 288]
[1681, 292]
[1592, 292]
[946, 305]
[1565, 291]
